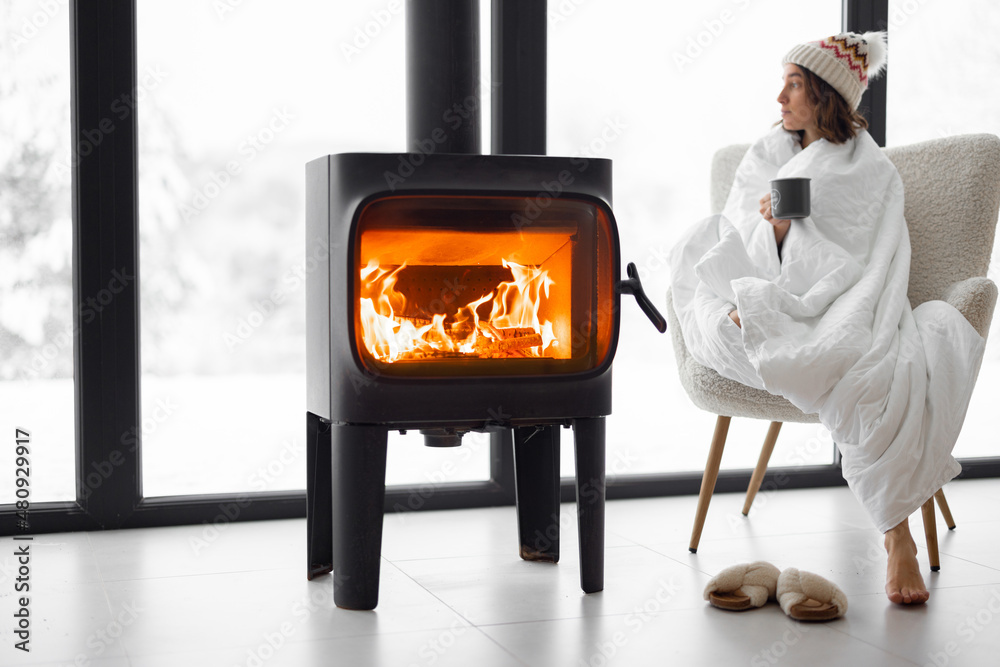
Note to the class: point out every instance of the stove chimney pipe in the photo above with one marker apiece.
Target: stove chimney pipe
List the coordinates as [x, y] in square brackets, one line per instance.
[519, 29]
[442, 76]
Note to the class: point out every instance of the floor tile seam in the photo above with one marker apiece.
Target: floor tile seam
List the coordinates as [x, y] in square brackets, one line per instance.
[447, 557]
[615, 615]
[967, 560]
[376, 633]
[675, 560]
[500, 646]
[620, 536]
[992, 585]
[461, 615]
[490, 555]
[881, 594]
[574, 618]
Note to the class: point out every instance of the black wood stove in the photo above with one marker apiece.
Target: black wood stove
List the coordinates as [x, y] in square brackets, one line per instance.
[461, 292]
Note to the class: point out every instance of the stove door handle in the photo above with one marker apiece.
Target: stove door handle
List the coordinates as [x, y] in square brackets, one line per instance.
[633, 286]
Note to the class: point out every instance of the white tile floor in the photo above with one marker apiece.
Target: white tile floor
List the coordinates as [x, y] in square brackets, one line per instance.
[453, 592]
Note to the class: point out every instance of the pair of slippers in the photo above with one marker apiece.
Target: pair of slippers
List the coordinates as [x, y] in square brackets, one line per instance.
[804, 596]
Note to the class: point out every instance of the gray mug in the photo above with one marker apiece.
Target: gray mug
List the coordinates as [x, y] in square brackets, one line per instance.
[790, 198]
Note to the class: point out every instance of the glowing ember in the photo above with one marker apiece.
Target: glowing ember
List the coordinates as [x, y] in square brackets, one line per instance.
[511, 330]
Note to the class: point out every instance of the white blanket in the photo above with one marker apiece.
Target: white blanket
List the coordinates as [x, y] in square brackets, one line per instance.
[828, 325]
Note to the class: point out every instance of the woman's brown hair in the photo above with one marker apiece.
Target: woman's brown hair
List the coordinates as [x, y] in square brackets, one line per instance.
[836, 121]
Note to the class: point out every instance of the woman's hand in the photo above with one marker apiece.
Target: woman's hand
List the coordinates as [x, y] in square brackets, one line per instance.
[780, 226]
[735, 317]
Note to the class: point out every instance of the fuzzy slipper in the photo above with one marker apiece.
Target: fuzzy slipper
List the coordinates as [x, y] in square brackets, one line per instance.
[805, 596]
[742, 587]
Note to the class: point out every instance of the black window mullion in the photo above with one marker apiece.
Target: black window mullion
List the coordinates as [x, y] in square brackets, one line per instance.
[862, 16]
[105, 262]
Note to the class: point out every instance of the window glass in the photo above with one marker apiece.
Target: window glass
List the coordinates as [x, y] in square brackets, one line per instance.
[36, 241]
[930, 98]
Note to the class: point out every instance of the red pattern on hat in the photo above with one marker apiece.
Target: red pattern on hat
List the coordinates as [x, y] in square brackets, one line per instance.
[848, 54]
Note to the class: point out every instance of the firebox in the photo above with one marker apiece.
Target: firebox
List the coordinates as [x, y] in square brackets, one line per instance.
[471, 285]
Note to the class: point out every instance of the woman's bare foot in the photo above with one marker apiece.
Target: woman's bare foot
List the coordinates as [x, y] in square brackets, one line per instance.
[903, 583]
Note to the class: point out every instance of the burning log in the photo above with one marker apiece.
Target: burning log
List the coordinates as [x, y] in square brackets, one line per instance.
[505, 341]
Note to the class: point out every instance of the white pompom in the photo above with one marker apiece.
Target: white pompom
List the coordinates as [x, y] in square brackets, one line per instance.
[876, 52]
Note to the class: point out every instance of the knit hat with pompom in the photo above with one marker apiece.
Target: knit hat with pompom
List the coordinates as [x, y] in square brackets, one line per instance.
[845, 61]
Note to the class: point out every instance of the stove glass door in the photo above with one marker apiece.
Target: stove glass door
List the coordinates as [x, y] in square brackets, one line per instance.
[452, 285]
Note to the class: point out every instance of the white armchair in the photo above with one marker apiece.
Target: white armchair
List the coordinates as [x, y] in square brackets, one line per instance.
[952, 197]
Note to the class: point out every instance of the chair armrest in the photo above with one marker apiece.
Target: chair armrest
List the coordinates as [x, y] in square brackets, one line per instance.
[974, 298]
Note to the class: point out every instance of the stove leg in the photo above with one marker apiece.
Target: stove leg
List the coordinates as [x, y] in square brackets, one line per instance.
[536, 486]
[589, 436]
[319, 510]
[358, 466]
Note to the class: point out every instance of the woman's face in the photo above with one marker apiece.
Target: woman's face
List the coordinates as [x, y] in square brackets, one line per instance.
[797, 112]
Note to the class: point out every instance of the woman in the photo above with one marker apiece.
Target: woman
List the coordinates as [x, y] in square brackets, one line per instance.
[816, 309]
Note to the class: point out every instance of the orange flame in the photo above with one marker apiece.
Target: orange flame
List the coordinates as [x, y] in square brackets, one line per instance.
[513, 328]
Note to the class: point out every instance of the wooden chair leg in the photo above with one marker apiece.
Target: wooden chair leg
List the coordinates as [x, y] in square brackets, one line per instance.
[945, 511]
[709, 478]
[758, 472]
[930, 532]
